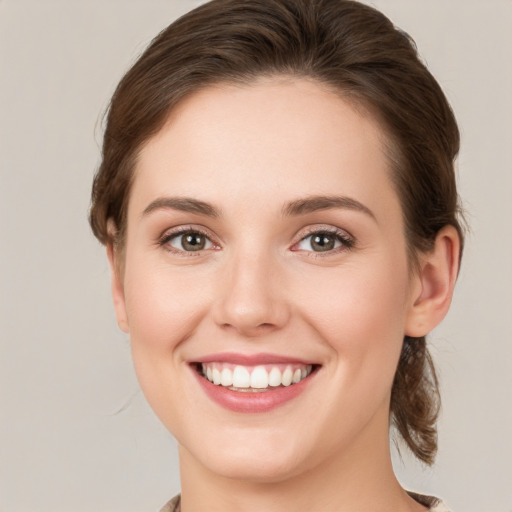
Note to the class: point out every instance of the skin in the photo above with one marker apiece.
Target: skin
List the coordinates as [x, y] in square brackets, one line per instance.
[258, 286]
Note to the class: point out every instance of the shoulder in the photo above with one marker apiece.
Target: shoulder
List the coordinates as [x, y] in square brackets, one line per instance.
[172, 506]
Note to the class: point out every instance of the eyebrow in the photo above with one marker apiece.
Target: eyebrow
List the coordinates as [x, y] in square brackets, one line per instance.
[317, 203]
[293, 208]
[184, 204]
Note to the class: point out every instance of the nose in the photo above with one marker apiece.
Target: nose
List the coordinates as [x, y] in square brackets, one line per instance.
[251, 299]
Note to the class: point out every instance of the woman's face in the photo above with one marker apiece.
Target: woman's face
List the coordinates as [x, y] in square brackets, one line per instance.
[265, 248]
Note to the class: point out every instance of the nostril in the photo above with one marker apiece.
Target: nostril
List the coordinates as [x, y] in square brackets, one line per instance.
[248, 330]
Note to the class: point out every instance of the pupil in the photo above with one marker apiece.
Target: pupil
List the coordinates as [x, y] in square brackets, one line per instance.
[193, 242]
[322, 243]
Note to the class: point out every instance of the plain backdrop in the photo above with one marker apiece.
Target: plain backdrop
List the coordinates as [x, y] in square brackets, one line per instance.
[75, 432]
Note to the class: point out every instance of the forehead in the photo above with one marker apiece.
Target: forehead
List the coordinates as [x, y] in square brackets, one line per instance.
[276, 137]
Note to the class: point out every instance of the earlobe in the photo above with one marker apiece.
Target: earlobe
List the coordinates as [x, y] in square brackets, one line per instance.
[436, 281]
[117, 289]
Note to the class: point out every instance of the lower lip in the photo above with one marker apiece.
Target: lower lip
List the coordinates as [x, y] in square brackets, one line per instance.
[259, 401]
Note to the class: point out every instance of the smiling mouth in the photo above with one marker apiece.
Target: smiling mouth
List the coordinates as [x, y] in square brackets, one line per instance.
[254, 379]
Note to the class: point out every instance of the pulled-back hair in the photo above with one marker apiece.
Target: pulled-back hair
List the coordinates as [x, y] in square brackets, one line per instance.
[355, 50]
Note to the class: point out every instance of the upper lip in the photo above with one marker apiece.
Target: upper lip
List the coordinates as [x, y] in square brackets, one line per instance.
[249, 359]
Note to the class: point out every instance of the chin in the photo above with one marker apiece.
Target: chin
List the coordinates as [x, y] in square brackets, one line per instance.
[269, 459]
[254, 468]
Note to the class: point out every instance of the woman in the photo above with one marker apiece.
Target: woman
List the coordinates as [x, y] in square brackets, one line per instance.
[278, 202]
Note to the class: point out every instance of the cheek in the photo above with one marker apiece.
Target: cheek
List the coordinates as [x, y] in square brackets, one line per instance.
[360, 315]
[360, 312]
[163, 310]
[162, 306]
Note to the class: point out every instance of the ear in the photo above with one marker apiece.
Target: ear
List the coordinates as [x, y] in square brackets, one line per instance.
[433, 290]
[117, 286]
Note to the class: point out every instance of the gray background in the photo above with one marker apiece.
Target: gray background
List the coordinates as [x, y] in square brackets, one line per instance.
[75, 432]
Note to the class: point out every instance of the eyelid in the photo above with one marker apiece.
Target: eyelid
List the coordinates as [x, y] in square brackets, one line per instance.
[175, 232]
[347, 240]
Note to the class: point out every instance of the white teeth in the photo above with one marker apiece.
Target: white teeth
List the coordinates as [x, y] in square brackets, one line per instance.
[226, 377]
[216, 376]
[287, 377]
[260, 377]
[274, 377]
[241, 377]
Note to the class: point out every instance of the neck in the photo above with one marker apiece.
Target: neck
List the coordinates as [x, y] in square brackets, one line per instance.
[359, 479]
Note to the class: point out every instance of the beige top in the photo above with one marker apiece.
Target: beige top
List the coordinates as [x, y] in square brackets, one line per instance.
[434, 504]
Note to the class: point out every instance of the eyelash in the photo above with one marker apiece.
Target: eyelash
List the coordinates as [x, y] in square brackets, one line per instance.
[347, 242]
[185, 230]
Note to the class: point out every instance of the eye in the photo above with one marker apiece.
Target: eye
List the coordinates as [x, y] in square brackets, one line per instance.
[323, 241]
[188, 241]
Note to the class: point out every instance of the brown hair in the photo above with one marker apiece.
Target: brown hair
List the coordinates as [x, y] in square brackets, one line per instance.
[346, 45]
